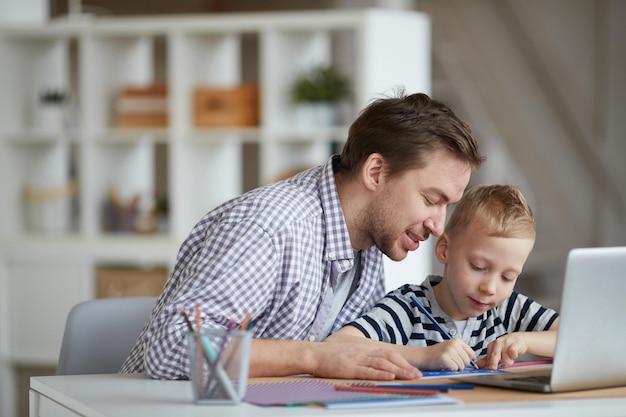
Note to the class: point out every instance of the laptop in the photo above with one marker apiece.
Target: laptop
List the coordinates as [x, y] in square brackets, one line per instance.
[591, 342]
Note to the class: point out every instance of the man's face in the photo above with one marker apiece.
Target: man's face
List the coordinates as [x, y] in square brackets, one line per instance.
[409, 208]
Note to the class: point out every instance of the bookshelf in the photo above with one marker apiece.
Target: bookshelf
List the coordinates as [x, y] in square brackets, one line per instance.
[70, 162]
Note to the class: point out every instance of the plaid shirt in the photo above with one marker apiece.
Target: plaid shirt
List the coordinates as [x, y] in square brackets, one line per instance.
[275, 252]
[395, 319]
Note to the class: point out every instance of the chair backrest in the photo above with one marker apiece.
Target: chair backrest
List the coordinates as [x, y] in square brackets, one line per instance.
[99, 334]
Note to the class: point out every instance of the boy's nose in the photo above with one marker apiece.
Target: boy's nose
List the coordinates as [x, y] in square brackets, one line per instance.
[488, 285]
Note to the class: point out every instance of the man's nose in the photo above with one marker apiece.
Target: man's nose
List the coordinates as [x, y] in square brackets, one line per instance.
[435, 223]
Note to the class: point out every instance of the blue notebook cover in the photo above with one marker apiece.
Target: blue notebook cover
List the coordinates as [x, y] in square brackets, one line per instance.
[466, 371]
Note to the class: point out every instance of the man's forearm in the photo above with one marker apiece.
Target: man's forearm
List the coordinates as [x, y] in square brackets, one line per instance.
[272, 357]
[330, 360]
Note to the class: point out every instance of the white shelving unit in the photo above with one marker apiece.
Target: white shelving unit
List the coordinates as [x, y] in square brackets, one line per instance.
[47, 264]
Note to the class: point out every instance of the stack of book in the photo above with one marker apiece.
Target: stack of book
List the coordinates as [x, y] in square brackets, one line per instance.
[316, 392]
[141, 106]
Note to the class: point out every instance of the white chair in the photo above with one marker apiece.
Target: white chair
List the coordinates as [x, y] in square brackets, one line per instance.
[99, 334]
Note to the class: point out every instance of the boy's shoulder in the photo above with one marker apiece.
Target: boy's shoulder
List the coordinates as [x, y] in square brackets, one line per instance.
[421, 291]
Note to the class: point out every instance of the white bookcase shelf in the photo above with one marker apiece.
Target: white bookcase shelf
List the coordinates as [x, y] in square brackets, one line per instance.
[69, 163]
[93, 60]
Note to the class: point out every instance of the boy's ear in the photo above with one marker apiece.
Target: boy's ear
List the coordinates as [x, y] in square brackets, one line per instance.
[441, 248]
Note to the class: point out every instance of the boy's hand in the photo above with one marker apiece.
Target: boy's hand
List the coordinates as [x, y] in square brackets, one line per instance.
[449, 355]
[504, 350]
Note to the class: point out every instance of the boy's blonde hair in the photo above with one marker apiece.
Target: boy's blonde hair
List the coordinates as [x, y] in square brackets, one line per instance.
[501, 209]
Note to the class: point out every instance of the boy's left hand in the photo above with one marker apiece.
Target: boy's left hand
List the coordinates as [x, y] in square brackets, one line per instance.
[504, 351]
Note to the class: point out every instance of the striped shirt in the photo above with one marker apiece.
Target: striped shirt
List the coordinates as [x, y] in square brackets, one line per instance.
[276, 252]
[396, 320]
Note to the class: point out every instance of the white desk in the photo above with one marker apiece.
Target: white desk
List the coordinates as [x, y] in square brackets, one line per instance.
[123, 395]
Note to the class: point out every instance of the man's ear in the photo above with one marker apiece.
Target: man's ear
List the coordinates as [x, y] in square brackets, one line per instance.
[372, 171]
[441, 248]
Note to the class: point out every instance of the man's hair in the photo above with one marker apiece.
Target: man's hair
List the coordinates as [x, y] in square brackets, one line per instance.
[405, 130]
[501, 209]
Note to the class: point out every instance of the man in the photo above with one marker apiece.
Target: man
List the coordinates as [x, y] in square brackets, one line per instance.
[304, 255]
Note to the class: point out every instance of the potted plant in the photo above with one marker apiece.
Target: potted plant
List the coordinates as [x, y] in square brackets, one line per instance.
[317, 93]
[50, 108]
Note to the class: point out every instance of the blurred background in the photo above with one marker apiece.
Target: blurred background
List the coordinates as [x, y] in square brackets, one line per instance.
[541, 83]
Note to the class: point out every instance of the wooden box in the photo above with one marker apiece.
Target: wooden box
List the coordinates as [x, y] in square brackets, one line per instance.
[238, 106]
[141, 106]
[112, 281]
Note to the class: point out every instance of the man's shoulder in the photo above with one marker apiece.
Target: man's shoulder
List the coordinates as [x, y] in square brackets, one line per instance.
[290, 198]
[276, 204]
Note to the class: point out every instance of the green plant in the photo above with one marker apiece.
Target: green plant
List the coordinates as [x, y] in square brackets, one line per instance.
[53, 96]
[322, 83]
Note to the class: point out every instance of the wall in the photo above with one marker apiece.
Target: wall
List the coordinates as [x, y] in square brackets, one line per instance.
[542, 85]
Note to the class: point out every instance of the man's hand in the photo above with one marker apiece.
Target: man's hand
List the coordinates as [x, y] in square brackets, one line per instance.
[361, 361]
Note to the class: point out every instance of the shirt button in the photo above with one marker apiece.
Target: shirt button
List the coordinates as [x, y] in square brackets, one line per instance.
[331, 255]
[452, 332]
[311, 338]
[331, 290]
[346, 263]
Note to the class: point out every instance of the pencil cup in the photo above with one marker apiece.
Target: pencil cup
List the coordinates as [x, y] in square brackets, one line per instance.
[219, 361]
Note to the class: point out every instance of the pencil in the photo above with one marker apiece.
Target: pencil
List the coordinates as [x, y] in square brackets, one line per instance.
[216, 365]
[246, 321]
[443, 331]
[398, 389]
[206, 345]
[212, 359]
[442, 387]
[199, 349]
[186, 317]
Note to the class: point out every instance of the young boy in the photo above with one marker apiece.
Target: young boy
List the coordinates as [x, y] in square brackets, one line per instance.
[483, 249]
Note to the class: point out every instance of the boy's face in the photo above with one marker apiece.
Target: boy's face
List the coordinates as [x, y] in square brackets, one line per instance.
[480, 271]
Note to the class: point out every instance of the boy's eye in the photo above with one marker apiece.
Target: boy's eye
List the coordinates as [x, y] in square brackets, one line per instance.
[478, 268]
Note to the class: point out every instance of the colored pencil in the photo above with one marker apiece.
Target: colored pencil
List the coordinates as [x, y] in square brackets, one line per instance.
[398, 389]
[443, 331]
[442, 387]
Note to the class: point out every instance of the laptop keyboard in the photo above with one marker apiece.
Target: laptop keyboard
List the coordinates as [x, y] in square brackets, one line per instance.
[542, 379]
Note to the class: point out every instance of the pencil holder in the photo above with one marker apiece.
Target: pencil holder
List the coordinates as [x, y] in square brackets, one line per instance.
[219, 361]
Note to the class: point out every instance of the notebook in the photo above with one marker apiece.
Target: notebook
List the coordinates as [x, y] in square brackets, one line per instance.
[314, 392]
[591, 342]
